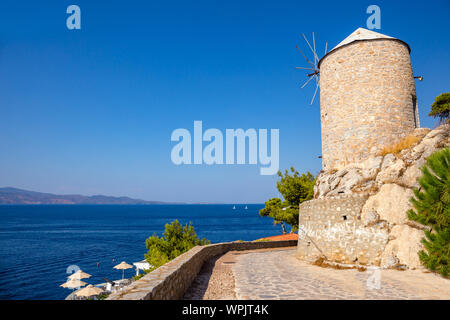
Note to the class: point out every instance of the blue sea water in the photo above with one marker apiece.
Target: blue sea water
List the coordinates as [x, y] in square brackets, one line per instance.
[39, 242]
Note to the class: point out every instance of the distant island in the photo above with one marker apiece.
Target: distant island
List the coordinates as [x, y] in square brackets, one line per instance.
[19, 196]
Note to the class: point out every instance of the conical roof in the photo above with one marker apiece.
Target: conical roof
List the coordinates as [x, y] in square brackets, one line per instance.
[362, 34]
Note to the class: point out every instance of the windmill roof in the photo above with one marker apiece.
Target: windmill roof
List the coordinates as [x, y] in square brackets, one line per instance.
[362, 34]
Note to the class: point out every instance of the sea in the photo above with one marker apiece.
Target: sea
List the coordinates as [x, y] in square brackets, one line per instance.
[40, 245]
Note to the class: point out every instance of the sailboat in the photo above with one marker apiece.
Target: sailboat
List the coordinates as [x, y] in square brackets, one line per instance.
[234, 207]
[246, 208]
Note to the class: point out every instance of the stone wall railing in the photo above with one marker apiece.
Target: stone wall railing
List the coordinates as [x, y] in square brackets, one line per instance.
[171, 280]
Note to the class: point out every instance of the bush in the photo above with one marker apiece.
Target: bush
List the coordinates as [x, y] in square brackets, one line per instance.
[176, 240]
[137, 277]
[102, 296]
[432, 208]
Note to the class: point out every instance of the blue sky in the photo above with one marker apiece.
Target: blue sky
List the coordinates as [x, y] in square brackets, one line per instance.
[91, 111]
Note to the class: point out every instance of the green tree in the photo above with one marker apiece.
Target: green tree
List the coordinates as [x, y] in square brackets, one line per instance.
[295, 189]
[441, 107]
[176, 240]
[432, 208]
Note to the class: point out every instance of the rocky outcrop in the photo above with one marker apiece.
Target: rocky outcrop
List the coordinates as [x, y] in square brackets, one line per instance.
[403, 247]
[391, 170]
[388, 182]
[390, 204]
[402, 168]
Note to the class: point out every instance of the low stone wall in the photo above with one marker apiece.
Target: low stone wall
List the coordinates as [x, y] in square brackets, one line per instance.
[332, 227]
[171, 280]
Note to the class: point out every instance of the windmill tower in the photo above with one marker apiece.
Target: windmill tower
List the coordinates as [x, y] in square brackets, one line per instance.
[367, 97]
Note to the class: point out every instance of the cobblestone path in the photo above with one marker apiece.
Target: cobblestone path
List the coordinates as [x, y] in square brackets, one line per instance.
[277, 274]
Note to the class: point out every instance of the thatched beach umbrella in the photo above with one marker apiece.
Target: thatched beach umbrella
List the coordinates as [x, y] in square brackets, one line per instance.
[90, 290]
[122, 266]
[72, 284]
[79, 275]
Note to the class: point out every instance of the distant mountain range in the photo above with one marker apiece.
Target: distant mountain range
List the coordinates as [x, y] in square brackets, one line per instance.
[19, 196]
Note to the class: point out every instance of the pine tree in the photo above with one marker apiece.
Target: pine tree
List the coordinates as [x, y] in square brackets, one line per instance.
[441, 107]
[438, 251]
[432, 208]
[295, 189]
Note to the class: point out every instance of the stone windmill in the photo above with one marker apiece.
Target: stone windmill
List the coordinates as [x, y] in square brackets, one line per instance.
[367, 102]
[367, 96]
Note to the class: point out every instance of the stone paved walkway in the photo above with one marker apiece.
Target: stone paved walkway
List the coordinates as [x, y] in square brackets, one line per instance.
[277, 274]
[215, 280]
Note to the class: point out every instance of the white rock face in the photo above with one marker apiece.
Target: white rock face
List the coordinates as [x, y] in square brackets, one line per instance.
[390, 204]
[404, 247]
[412, 174]
[350, 179]
[371, 166]
[370, 217]
[430, 143]
[387, 161]
[391, 172]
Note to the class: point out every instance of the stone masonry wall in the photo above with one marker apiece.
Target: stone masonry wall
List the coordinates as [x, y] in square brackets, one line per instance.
[332, 227]
[171, 280]
[367, 100]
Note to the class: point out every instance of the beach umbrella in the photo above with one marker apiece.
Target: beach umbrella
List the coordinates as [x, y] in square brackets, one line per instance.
[122, 266]
[79, 275]
[90, 290]
[72, 284]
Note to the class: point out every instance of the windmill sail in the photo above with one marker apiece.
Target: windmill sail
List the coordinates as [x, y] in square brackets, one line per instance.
[312, 66]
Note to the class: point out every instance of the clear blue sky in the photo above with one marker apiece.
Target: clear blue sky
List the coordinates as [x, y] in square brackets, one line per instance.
[91, 111]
